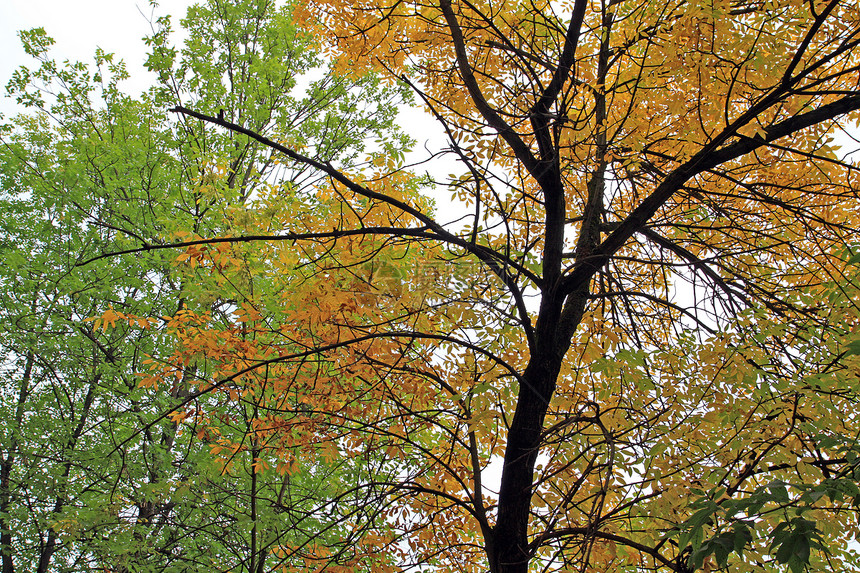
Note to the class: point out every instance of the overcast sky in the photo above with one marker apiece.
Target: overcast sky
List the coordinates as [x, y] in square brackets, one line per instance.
[79, 27]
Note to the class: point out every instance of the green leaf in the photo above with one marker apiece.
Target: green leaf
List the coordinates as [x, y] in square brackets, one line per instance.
[722, 547]
[793, 541]
[852, 348]
[778, 490]
[741, 537]
[853, 259]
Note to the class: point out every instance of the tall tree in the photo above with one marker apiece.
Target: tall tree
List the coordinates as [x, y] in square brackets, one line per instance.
[634, 314]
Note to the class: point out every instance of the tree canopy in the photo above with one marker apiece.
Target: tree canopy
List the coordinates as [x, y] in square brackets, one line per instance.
[622, 336]
[95, 476]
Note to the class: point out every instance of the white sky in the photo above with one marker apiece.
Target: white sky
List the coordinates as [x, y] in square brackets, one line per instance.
[79, 27]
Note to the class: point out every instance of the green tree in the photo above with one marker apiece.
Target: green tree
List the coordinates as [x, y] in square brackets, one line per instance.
[94, 475]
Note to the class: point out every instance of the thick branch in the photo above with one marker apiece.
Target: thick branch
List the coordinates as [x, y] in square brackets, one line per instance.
[540, 115]
[497, 262]
[707, 158]
[581, 531]
[492, 117]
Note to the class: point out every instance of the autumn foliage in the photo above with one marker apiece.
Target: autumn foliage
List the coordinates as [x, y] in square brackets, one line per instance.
[621, 337]
[654, 214]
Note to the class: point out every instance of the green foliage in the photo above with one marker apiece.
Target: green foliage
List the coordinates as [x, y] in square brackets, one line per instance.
[732, 522]
[92, 474]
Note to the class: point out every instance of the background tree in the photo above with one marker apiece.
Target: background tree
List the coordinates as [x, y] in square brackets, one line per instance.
[93, 476]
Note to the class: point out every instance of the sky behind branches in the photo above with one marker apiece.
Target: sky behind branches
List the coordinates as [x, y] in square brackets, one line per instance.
[79, 27]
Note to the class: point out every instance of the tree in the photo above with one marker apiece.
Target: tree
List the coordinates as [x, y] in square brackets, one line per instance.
[637, 323]
[93, 476]
[647, 319]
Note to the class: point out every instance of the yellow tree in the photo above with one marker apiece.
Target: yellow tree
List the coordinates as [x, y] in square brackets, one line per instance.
[642, 318]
